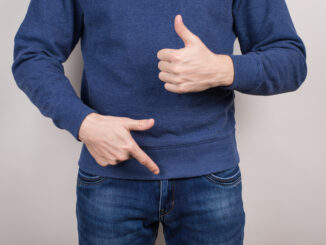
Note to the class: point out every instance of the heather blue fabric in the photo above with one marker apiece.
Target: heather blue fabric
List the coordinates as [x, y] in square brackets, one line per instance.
[206, 209]
[194, 133]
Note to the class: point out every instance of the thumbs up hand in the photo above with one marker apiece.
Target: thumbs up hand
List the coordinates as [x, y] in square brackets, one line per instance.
[193, 68]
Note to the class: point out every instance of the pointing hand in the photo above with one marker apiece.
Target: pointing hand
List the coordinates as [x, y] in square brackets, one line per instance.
[109, 141]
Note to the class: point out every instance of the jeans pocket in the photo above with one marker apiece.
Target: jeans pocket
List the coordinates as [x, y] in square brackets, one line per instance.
[88, 178]
[229, 177]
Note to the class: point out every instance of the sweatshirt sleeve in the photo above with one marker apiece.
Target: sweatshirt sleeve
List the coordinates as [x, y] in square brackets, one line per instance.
[44, 40]
[273, 58]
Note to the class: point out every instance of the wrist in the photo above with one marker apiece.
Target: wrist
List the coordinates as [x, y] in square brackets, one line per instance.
[224, 70]
[89, 119]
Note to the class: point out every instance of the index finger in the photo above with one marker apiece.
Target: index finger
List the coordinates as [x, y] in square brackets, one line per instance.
[167, 54]
[144, 159]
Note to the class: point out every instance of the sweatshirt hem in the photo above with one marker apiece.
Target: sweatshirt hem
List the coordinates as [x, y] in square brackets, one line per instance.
[188, 160]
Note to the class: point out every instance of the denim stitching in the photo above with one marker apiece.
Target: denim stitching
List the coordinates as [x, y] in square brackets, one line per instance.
[82, 182]
[216, 182]
[89, 176]
[225, 178]
[159, 206]
[173, 194]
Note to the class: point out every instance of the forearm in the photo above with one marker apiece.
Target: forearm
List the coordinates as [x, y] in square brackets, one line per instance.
[42, 43]
[273, 58]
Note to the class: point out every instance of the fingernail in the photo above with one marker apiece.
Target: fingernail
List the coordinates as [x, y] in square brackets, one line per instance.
[156, 171]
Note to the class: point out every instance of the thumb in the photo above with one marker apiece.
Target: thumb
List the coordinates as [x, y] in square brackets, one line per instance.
[143, 124]
[183, 32]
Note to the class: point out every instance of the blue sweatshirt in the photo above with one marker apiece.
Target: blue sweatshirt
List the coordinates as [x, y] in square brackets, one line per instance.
[194, 133]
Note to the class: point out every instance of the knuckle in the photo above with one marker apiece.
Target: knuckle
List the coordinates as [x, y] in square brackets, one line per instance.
[178, 80]
[114, 162]
[127, 146]
[139, 123]
[120, 158]
[132, 147]
[175, 69]
[143, 160]
[181, 89]
[176, 57]
[103, 163]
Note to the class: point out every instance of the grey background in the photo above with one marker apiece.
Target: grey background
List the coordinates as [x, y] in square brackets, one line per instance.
[281, 140]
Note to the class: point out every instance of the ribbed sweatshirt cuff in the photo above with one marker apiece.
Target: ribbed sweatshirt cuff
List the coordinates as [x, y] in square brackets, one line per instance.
[246, 73]
[72, 115]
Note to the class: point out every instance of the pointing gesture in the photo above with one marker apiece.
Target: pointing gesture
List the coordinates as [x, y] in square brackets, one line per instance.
[193, 68]
[109, 141]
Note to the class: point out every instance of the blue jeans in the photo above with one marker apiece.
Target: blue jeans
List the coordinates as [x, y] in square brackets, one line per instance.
[205, 209]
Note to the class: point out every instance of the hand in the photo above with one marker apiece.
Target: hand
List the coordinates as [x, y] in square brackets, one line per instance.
[109, 141]
[193, 68]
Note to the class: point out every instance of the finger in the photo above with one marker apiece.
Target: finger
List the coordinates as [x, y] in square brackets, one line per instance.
[169, 55]
[104, 160]
[168, 67]
[139, 125]
[144, 159]
[115, 159]
[175, 88]
[183, 32]
[121, 156]
[168, 77]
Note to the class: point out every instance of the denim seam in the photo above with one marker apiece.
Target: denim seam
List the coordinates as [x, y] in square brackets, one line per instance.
[81, 181]
[225, 178]
[89, 177]
[216, 182]
[173, 194]
[159, 207]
